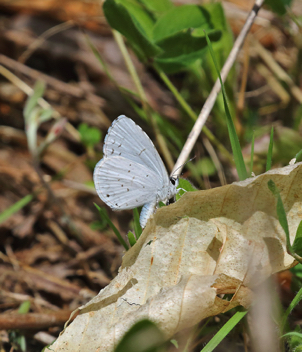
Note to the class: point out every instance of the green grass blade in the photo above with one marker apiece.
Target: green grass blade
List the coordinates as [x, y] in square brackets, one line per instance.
[15, 207]
[297, 244]
[270, 151]
[252, 154]
[298, 155]
[292, 305]
[238, 158]
[98, 57]
[32, 100]
[137, 227]
[280, 208]
[109, 222]
[223, 332]
[283, 220]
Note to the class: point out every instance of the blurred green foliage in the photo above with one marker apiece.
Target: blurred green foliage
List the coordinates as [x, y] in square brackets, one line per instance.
[167, 36]
[90, 136]
[279, 6]
[143, 336]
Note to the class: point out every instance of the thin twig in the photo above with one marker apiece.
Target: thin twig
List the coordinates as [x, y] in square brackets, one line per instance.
[42, 38]
[187, 108]
[268, 58]
[216, 161]
[60, 86]
[205, 111]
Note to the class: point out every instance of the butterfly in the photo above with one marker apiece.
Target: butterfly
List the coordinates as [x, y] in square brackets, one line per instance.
[131, 173]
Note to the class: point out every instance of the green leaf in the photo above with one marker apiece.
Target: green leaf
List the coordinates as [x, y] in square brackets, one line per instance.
[219, 22]
[181, 18]
[24, 307]
[15, 207]
[143, 336]
[293, 333]
[45, 115]
[121, 20]
[137, 226]
[90, 136]
[22, 343]
[270, 151]
[141, 14]
[104, 215]
[182, 50]
[17, 340]
[186, 187]
[131, 238]
[297, 270]
[174, 342]
[238, 158]
[297, 244]
[278, 6]
[158, 6]
[223, 332]
[293, 339]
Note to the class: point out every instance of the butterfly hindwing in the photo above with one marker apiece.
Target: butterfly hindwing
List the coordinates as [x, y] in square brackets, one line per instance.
[124, 184]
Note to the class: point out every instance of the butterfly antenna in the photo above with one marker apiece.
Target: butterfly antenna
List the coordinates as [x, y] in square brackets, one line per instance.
[181, 166]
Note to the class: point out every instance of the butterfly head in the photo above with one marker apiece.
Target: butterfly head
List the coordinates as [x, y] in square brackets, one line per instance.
[173, 185]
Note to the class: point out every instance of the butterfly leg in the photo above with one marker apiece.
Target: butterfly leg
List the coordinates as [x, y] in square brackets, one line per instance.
[147, 211]
[178, 189]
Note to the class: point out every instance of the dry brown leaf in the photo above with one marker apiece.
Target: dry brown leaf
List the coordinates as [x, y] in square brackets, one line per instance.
[224, 240]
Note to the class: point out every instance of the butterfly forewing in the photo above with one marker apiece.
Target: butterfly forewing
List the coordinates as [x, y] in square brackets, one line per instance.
[128, 140]
[123, 183]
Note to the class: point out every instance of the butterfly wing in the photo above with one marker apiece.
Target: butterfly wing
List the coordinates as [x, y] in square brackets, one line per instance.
[126, 139]
[124, 184]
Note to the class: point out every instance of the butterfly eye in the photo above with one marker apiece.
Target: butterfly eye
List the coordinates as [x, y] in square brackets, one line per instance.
[172, 180]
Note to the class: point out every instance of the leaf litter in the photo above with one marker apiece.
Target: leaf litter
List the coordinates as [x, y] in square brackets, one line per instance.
[224, 240]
